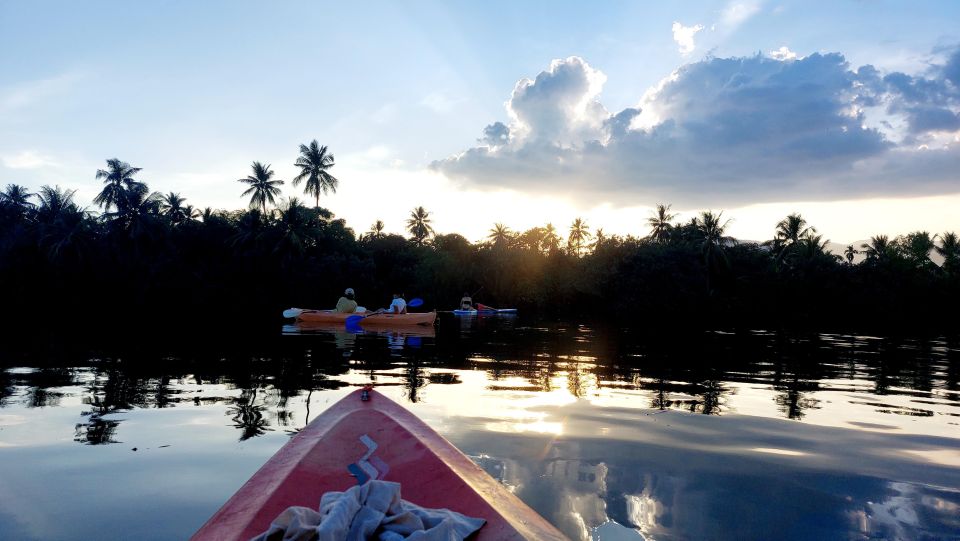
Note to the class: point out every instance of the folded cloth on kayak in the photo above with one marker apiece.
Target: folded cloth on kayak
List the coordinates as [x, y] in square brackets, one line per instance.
[373, 510]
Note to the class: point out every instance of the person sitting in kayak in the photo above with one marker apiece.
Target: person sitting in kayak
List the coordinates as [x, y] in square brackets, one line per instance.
[398, 306]
[466, 303]
[346, 304]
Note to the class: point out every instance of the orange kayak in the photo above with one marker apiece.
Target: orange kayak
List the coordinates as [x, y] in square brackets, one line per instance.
[374, 320]
[432, 473]
[423, 331]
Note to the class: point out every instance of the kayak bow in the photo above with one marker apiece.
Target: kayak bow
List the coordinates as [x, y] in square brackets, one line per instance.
[400, 447]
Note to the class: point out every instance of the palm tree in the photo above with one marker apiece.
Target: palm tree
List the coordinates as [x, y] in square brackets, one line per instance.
[789, 234]
[262, 186]
[118, 177]
[579, 233]
[251, 228]
[878, 249]
[500, 235]
[15, 204]
[172, 206]
[793, 228]
[138, 210]
[314, 161]
[531, 239]
[599, 240]
[296, 227]
[54, 202]
[551, 241]
[376, 230]
[191, 213]
[949, 249]
[16, 195]
[419, 225]
[850, 253]
[811, 247]
[63, 227]
[660, 225]
[711, 231]
[916, 247]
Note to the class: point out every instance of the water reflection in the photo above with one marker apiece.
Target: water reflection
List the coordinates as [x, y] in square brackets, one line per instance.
[676, 476]
[590, 425]
[885, 376]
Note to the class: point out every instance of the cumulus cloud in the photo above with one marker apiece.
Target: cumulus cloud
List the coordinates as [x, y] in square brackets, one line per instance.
[559, 106]
[726, 131]
[783, 53]
[683, 35]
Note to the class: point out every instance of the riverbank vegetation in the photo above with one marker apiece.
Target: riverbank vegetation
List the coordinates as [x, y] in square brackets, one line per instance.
[144, 255]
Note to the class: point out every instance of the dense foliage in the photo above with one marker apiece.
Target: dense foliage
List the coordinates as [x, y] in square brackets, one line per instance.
[149, 256]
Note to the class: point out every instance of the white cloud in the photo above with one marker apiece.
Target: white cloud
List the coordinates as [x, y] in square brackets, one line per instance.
[783, 53]
[27, 159]
[726, 131]
[736, 13]
[560, 105]
[683, 35]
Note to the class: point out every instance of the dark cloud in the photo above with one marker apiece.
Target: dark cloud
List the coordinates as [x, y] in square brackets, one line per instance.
[926, 119]
[951, 71]
[927, 102]
[495, 134]
[725, 131]
[619, 124]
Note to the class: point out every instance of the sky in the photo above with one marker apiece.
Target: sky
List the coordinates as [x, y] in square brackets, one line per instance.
[521, 113]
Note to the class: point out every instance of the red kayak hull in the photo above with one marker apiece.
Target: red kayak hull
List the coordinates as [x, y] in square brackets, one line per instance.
[431, 471]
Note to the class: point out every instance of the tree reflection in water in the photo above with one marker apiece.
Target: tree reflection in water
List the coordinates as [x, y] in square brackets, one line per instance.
[265, 384]
[248, 416]
[620, 478]
[96, 431]
[793, 399]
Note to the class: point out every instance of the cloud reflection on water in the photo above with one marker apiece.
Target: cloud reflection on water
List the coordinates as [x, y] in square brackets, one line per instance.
[732, 436]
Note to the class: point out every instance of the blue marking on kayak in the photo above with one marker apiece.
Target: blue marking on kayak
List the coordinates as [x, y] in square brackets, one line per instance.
[361, 476]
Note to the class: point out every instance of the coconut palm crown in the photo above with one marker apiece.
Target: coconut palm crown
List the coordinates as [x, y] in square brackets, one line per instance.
[118, 177]
[419, 225]
[579, 234]
[660, 223]
[263, 188]
[314, 162]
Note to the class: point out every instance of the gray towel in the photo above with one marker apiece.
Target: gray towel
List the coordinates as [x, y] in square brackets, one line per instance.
[373, 510]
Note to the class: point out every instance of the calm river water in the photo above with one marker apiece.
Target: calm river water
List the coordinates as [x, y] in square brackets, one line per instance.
[609, 434]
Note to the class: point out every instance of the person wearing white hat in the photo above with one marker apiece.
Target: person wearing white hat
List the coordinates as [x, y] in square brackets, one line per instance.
[346, 304]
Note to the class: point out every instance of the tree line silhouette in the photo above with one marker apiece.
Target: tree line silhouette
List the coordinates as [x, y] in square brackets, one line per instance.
[147, 256]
